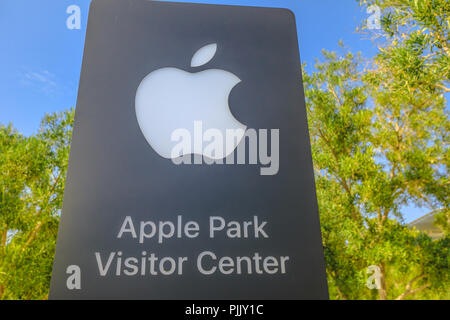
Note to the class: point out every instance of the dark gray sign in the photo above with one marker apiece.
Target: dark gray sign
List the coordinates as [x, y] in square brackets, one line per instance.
[190, 173]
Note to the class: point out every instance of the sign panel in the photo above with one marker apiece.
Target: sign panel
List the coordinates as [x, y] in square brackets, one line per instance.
[190, 173]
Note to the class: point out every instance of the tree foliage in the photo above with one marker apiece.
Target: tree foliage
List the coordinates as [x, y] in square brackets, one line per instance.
[379, 131]
[33, 171]
[414, 44]
[367, 169]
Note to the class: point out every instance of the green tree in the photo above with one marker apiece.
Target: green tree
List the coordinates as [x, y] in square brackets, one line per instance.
[372, 157]
[379, 130]
[414, 44]
[407, 82]
[31, 190]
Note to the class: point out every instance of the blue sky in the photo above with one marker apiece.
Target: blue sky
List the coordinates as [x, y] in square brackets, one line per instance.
[41, 58]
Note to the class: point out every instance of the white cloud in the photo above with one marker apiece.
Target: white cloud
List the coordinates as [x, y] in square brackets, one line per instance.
[43, 80]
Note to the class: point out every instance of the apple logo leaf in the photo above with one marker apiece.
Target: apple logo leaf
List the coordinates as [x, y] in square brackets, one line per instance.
[204, 55]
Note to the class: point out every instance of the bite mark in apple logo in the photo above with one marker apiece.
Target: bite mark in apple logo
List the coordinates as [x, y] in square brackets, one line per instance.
[169, 99]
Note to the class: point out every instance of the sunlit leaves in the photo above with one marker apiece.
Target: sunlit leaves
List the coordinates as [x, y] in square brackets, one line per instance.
[376, 148]
[33, 171]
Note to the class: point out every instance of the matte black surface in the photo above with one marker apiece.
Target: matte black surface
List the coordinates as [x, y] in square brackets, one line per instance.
[113, 172]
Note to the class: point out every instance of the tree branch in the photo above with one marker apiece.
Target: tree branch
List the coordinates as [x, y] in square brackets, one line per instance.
[408, 287]
[2, 291]
[32, 236]
[50, 193]
[39, 225]
[444, 88]
[382, 291]
[4, 236]
[333, 92]
[343, 182]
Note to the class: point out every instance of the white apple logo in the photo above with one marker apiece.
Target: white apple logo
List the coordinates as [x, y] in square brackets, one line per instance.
[169, 99]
